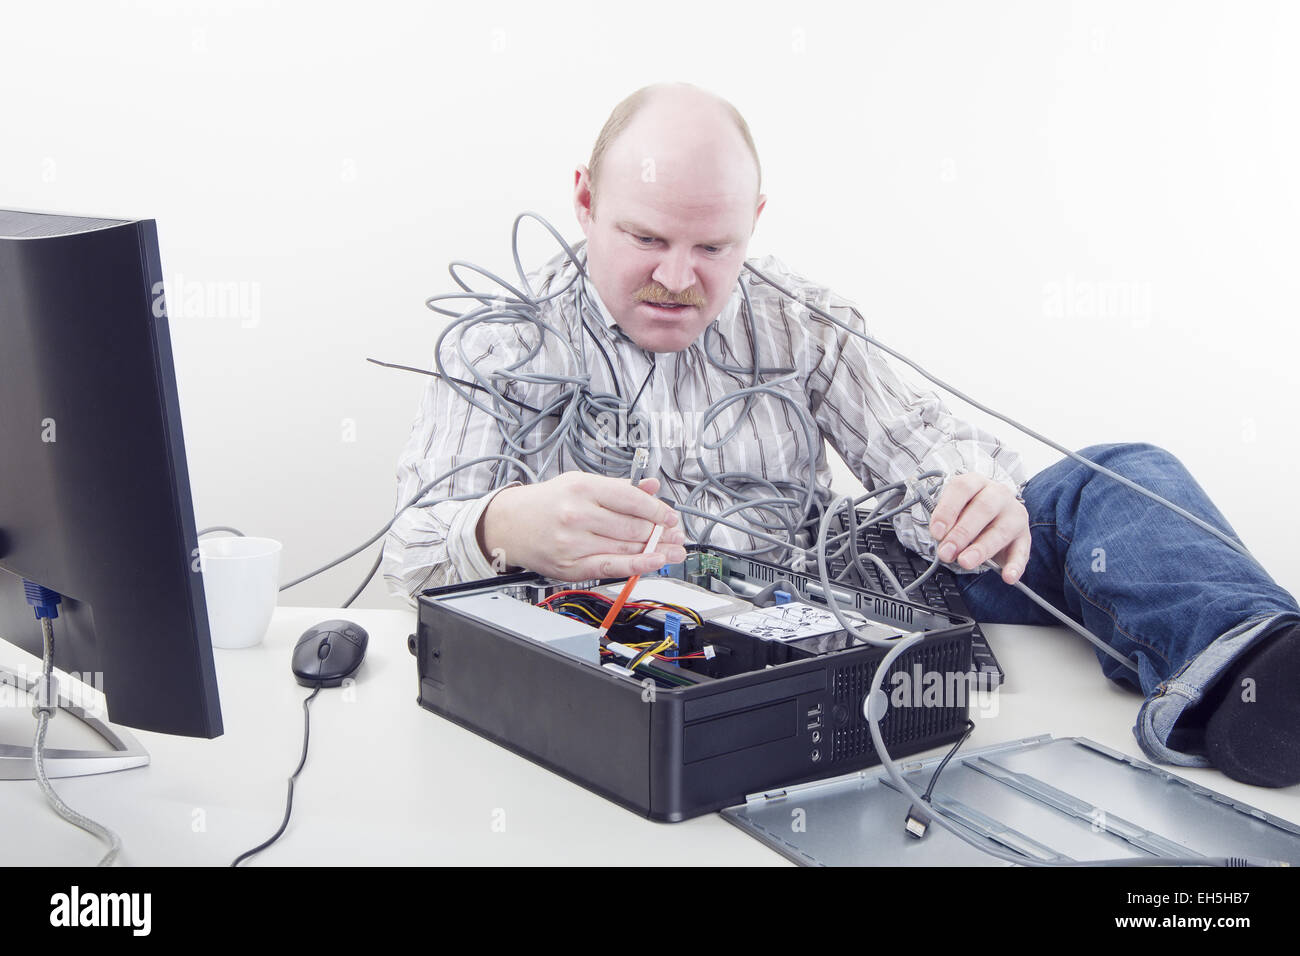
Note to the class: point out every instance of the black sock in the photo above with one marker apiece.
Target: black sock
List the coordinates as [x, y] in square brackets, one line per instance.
[1252, 733]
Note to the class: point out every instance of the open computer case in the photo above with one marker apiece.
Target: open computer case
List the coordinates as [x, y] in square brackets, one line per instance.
[768, 691]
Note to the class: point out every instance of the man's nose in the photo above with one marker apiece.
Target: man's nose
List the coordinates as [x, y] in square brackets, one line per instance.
[675, 272]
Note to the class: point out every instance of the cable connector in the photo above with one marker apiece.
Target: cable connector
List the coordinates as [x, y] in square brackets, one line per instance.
[673, 627]
[925, 496]
[917, 824]
[43, 601]
[640, 461]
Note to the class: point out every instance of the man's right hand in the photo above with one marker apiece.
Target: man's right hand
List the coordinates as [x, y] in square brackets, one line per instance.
[579, 527]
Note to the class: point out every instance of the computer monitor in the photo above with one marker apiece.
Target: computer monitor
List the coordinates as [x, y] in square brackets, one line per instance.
[94, 489]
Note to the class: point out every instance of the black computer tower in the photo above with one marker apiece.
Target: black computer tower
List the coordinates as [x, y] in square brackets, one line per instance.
[790, 715]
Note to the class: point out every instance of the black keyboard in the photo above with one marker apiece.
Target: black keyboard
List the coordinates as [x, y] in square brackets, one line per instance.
[939, 591]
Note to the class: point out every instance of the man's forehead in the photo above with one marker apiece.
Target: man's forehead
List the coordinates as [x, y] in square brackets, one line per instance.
[659, 209]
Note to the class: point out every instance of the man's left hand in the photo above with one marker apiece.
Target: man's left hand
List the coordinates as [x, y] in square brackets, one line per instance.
[978, 518]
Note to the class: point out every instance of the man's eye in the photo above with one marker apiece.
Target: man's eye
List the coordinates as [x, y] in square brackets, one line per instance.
[644, 240]
[712, 250]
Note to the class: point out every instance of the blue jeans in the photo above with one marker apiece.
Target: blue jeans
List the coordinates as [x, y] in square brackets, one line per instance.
[1170, 596]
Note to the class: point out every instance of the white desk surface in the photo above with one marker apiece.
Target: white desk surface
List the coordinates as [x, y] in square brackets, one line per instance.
[388, 783]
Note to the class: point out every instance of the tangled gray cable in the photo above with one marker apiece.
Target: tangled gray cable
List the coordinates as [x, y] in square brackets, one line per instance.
[777, 511]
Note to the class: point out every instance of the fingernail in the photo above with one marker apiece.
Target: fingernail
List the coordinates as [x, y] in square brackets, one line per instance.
[938, 529]
[947, 551]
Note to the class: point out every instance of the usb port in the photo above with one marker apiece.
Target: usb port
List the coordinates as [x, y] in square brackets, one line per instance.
[815, 711]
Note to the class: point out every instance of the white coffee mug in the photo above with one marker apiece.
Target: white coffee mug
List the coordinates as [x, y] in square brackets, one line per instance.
[241, 581]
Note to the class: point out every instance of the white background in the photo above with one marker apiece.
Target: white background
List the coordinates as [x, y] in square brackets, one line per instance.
[1084, 214]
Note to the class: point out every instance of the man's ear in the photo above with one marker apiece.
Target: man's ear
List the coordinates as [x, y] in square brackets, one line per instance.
[582, 198]
[762, 201]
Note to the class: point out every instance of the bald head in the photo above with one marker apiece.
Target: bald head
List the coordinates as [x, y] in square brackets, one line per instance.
[668, 130]
[678, 179]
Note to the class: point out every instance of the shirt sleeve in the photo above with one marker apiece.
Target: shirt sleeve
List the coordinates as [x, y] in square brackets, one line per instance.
[886, 429]
[435, 542]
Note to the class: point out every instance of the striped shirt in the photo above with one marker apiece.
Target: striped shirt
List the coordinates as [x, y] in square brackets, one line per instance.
[885, 429]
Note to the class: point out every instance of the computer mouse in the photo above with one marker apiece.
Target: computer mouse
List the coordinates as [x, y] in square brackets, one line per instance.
[329, 652]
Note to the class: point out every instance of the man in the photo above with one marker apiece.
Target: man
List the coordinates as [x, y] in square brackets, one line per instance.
[667, 204]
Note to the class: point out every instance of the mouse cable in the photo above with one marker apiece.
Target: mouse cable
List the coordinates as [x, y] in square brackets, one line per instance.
[288, 803]
[43, 711]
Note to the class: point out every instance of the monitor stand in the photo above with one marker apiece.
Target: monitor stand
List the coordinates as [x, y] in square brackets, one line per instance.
[16, 761]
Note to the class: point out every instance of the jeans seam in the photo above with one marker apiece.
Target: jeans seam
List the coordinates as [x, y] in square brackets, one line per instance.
[1105, 610]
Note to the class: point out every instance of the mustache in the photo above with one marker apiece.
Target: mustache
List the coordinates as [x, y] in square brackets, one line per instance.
[657, 295]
